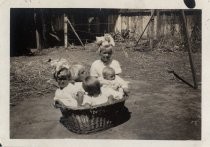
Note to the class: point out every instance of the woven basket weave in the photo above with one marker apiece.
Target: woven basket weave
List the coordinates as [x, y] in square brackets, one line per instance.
[89, 120]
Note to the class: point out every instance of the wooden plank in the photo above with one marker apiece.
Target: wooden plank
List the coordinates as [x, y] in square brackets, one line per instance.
[153, 11]
[177, 76]
[75, 32]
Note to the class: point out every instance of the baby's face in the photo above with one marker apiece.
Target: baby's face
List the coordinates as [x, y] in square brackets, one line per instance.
[63, 81]
[109, 77]
[107, 38]
[106, 55]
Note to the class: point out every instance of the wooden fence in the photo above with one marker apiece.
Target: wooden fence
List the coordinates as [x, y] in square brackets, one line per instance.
[165, 23]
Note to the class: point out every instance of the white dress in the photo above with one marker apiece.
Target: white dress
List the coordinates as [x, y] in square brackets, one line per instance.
[67, 96]
[100, 99]
[98, 66]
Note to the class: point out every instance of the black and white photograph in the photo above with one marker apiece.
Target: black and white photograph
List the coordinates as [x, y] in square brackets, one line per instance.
[103, 73]
[60, 61]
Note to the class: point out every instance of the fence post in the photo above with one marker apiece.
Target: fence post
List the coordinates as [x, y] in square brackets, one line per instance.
[151, 33]
[65, 31]
[158, 25]
[38, 41]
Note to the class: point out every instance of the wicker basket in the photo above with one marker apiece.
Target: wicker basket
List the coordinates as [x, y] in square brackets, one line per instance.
[89, 120]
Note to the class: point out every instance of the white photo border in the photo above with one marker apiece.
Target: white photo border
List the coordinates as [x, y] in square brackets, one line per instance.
[5, 6]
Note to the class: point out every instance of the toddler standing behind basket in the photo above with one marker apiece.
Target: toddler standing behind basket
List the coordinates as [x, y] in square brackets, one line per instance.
[105, 53]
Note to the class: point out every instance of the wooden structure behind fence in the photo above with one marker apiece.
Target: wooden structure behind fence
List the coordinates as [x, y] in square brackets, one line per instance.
[48, 25]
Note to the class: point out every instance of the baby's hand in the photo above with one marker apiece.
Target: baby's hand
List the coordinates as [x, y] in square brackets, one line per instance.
[86, 105]
[104, 82]
[116, 86]
[111, 99]
[126, 91]
[79, 97]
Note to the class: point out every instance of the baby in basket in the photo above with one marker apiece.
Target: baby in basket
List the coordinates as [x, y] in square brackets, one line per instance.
[69, 92]
[94, 93]
[112, 82]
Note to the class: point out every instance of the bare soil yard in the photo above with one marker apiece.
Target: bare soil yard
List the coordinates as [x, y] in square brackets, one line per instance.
[161, 106]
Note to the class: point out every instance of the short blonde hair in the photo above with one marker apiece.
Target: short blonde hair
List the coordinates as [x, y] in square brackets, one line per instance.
[75, 69]
[108, 71]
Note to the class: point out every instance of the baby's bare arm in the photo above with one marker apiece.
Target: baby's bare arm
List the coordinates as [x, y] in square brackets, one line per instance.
[103, 81]
[111, 99]
[80, 97]
[86, 105]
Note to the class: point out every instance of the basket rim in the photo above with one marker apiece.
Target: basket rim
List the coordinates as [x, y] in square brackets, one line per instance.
[93, 107]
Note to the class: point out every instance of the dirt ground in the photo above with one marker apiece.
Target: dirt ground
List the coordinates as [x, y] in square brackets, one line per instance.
[162, 107]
